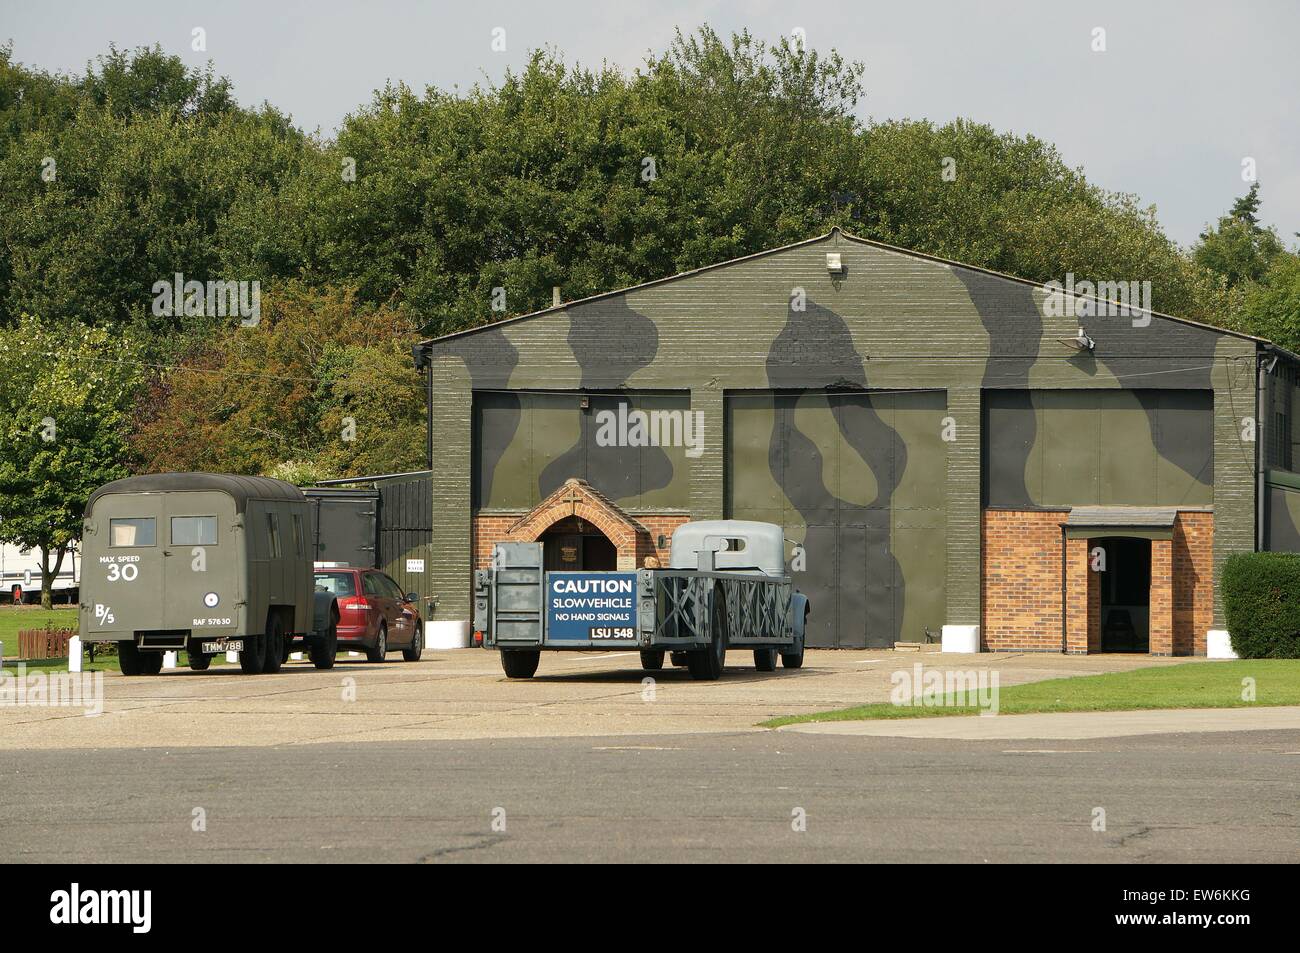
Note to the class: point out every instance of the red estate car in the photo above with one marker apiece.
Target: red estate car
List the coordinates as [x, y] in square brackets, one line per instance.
[374, 615]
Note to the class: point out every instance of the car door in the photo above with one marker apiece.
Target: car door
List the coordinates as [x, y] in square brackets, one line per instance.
[404, 614]
[381, 604]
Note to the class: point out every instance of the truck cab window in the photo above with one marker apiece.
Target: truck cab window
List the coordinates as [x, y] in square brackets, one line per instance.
[194, 530]
[299, 546]
[136, 531]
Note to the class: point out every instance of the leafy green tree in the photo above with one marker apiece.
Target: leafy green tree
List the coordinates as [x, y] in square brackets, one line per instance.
[1238, 248]
[65, 400]
[1272, 307]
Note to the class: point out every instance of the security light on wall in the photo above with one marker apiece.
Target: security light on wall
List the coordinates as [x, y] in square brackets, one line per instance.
[833, 263]
[1080, 341]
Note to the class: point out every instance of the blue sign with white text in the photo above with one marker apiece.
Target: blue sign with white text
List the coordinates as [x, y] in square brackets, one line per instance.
[598, 607]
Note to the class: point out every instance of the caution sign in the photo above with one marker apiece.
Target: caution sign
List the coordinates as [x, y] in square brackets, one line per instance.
[594, 607]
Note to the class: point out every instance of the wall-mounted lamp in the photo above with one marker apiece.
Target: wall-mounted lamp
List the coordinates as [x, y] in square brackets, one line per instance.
[1080, 341]
[834, 264]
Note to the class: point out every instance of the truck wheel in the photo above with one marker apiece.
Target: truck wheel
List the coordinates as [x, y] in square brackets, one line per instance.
[416, 649]
[680, 659]
[251, 659]
[706, 664]
[794, 658]
[652, 660]
[324, 650]
[150, 663]
[765, 660]
[198, 661]
[128, 658]
[275, 645]
[520, 663]
[380, 651]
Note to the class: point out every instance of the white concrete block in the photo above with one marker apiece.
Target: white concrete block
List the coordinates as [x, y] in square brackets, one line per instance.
[447, 634]
[961, 638]
[1218, 644]
[74, 654]
[232, 657]
[169, 660]
[295, 656]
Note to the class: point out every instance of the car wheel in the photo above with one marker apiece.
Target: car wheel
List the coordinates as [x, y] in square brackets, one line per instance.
[326, 649]
[520, 663]
[652, 660]
[380, 650]
[794, 658]
[416, 648]
[765, 660]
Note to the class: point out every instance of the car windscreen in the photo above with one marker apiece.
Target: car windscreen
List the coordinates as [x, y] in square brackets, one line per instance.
[339, 583]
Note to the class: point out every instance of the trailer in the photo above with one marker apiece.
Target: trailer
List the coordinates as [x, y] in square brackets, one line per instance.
[204, 562]
[725, 588]
[20, 574]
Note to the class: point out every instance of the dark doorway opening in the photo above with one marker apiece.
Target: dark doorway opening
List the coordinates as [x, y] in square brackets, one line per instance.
[574, 545]
[1125, 594]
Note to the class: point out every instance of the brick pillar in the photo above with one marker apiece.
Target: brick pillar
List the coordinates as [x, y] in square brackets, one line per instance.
[1162, 597]
[1078, 598]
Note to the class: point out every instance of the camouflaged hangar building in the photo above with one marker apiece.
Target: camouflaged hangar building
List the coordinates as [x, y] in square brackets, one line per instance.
[941, 445]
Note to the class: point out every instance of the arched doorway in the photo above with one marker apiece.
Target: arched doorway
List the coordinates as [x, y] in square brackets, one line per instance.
[574, 544]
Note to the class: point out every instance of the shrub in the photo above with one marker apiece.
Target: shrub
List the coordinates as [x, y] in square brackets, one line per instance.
[1261, 604]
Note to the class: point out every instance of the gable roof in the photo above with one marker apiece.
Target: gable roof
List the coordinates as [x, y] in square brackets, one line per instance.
[834, 232]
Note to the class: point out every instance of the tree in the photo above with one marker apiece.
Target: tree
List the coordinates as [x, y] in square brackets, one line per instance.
[1237, 247]
[64, 402]
[322, 382]
[1272, 307]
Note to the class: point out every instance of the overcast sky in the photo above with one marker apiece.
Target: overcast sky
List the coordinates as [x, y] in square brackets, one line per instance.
[1182, 94]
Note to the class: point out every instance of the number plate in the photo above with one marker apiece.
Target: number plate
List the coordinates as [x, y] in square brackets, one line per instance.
[223, 645]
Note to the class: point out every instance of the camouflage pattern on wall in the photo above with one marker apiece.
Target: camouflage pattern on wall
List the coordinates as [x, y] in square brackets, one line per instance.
[823, 396]
[1051, 448]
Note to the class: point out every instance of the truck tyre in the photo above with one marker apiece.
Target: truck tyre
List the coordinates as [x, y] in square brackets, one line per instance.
[794, 658]
[198, 661]
[652, 660]
[325, 649]
[680, 659]
[520, 663]
[128, 658]
[380, 651]
[150, 663]
[253, 655]
[765, 660]
[416, 648]
[275, 645]
[706, 664]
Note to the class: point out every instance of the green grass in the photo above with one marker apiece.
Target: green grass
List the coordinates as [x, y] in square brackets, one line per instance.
[14, 618]
[1192, 685]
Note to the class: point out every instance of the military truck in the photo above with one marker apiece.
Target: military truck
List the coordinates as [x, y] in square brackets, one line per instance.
[205, 562]
[725, 588]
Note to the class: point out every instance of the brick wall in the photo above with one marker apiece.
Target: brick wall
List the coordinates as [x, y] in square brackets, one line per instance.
[1193, 571]
[1021, 569]
[1021, 586]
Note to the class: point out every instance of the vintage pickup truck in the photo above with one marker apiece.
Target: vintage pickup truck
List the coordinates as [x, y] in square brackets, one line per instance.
[726, 588]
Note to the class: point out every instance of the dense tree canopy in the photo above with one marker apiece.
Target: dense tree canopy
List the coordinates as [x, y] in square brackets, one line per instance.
[589, 179]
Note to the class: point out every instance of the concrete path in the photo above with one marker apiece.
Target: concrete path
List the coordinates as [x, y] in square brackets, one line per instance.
[1065, 725]
[459, 695]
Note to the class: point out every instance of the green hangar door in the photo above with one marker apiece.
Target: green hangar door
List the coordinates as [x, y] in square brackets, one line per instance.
[859, 481]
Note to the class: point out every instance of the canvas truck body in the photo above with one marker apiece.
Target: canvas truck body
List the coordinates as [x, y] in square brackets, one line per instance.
[201, 562]
[726, 587]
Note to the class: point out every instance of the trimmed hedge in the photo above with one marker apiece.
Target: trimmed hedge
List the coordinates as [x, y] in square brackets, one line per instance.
[1261, 604]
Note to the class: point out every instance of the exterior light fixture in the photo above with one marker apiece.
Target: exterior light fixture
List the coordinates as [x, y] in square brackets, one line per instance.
[833, 263]
[1080, 341]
